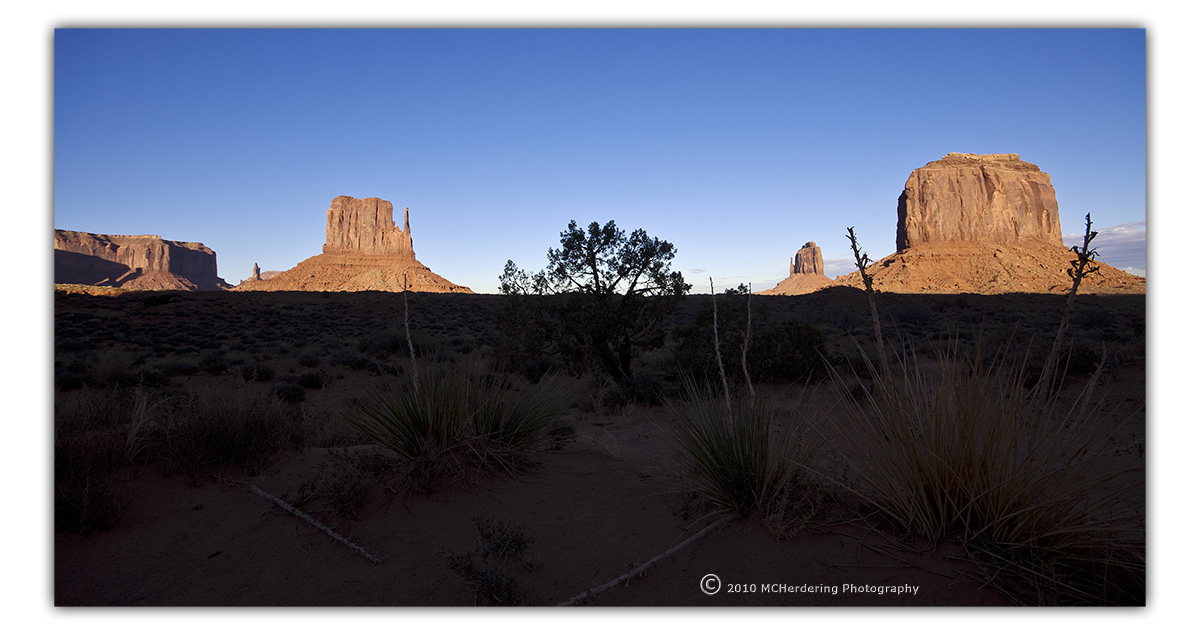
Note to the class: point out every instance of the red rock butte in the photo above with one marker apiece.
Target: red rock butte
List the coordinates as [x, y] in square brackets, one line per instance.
[989, 223]
[806, 273]
[364, 251]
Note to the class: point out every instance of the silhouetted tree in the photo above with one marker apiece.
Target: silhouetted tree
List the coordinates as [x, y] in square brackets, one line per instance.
[603, 296]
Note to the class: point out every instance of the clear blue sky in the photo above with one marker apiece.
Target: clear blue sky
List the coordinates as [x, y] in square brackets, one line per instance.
[736, 145]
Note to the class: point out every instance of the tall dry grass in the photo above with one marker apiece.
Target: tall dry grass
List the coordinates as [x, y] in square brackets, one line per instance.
[1024, 476]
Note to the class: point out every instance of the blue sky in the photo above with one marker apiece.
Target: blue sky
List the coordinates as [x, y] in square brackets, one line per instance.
[737, 145]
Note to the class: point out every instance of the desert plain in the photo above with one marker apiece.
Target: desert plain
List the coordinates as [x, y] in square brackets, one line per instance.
[606, 494]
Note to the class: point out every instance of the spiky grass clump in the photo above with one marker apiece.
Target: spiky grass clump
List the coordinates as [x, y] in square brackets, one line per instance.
[730, 452]
[506, 426]
[1023, 476]
[459, 414]
[415, 423]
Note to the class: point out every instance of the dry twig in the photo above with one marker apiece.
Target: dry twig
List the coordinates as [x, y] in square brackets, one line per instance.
[316, 523]
[638, 571]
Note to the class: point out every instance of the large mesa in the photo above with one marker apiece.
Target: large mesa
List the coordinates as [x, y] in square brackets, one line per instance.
[134, 262]
[983, 223]
[981, 198]
[364, 251]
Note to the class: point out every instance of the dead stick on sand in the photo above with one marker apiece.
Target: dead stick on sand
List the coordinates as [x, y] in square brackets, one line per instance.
[645, 566]
[315, 523]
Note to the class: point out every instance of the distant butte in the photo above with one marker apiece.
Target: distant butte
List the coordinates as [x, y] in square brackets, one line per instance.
[971, 223]
[806, 273]
[364, 251]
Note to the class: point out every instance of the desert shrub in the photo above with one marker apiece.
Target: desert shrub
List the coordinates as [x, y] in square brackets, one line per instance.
[485, 567]
[312, 380]
[778, 351]
[257, 371]
[786, 351]
[214, 362]
[157, 300]
[176, 368]
[67, 344]
[647, 387]
[69, 376]
[112, 367]
[89, 444]
[289, 392]
[84, 498]
[1017, 472]
[309, 360]
[350, 359]
[344, 479]
[382, 345]
[202, 430]
[730, 452]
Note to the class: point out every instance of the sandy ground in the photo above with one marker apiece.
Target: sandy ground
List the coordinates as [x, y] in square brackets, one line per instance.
[594, 510]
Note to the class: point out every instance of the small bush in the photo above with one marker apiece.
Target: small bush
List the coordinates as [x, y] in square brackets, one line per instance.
[350, 360]
[309, 360]
[345, 478]
[157, 300]
[214, 363]
[288, 392]
[89, 444]
[778, 351]
[201, 430]
[485, 567]
[257, 371]
[312, 380]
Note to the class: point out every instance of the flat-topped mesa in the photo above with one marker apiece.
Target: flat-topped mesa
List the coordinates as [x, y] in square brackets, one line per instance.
[365, 226]
[982, 198]
[142, 261]
[807, 260]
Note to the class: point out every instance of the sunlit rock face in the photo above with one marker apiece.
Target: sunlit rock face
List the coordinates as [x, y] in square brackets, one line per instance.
[808, 260]
[364, 251]
[365, 226]
[134, 262]
[980, 198]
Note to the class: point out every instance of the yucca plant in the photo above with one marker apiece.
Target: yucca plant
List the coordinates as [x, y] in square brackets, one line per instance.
[964, 449]
[730, 452]
[516, 421]
[428, 420]
[494, 425]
